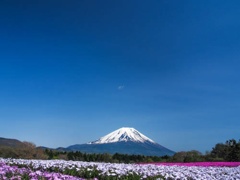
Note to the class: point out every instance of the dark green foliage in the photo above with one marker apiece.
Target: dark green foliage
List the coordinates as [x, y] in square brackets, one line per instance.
[230, 151]
[6, 152]
[25, 177]
[188, 156]
[105, 157]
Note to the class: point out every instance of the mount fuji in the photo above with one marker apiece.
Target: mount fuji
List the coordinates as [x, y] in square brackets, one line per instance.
[123, 135]
[124, 141]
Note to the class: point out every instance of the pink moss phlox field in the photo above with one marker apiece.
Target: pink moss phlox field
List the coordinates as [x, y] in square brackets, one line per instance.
[202, 164]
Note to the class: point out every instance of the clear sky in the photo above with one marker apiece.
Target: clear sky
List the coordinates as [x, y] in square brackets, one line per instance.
[72, 71]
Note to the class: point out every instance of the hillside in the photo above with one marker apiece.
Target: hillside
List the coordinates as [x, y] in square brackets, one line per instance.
[10, 142]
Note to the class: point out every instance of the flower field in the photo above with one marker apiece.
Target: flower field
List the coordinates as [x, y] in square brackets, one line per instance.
[202, 164]
[17, 169]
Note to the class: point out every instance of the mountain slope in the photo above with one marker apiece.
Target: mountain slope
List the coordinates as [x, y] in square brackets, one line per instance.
[123, 148]
[10, 142]
[124, 141]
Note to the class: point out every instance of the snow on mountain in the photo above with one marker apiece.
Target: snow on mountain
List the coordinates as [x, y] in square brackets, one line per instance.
[124, 141]
[123, 134]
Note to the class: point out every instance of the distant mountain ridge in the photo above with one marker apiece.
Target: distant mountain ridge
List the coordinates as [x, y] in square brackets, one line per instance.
[124, 141]
[10, 142]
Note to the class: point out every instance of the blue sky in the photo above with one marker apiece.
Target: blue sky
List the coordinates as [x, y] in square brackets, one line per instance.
[73, 71]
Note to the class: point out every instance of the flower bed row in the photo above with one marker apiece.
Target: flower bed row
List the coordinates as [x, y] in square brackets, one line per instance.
[202, 164]
[112, 171]
[15, 173]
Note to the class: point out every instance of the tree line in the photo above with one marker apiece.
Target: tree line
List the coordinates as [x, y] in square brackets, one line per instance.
[228, 151]
[104, 157]
[27, 150]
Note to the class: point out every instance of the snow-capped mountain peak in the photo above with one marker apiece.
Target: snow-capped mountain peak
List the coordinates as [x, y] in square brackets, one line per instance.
[123, 134]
